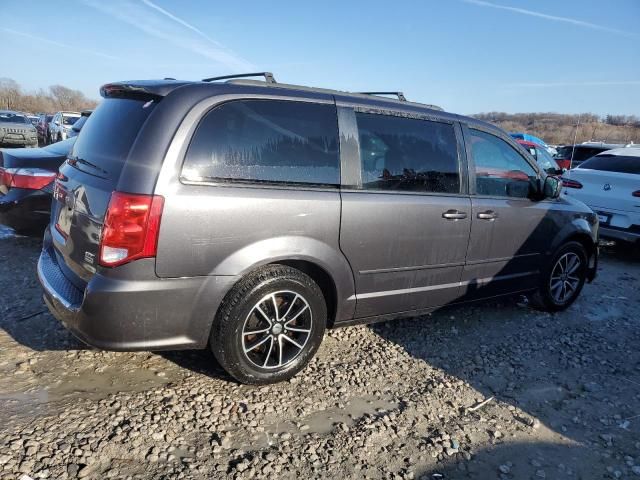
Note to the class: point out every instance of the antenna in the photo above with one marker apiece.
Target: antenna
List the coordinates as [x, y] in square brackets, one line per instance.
[573, 149]
[268, 76]
[400, 95]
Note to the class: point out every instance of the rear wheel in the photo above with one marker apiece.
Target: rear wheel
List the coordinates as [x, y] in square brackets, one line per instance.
[269, 326]
[563, 279]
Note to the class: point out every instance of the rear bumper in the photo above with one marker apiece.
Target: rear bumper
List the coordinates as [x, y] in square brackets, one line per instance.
[115, 312]
[619, 234]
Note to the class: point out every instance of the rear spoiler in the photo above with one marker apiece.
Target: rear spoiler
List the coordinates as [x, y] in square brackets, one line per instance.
[141, 89]
[120, 90]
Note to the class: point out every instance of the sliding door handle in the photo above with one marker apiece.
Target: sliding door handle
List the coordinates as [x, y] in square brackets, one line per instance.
[488, 215]
[454, 215]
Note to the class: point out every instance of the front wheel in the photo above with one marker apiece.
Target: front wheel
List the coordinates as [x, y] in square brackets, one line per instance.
[269, 326]
[563, 279]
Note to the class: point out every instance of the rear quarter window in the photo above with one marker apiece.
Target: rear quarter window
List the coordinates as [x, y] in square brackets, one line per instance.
[274, 141]
[613, 163]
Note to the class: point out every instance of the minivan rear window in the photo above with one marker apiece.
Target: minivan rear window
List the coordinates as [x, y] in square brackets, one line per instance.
[108, 135]
[613, 163]
[266, 141]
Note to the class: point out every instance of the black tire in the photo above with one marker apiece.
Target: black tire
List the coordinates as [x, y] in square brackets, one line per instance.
[547, 298]
[296, 295]
[59, 138]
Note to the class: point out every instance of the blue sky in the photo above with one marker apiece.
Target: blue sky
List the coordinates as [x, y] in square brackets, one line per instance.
[468, 56]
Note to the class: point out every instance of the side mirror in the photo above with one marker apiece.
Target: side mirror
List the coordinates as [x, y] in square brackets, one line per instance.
[552, 187]
[57, 122]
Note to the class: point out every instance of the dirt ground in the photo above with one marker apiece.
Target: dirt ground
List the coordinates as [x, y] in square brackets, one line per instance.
[494, 390]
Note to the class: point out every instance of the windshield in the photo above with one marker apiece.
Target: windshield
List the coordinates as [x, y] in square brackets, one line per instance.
[69, 120]
[12, 118]
[546, 162]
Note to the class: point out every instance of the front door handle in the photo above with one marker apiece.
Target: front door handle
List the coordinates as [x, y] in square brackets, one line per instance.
[454, 215]
[488, 215]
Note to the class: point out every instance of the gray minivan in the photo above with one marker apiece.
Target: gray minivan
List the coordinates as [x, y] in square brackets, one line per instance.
[249, 216]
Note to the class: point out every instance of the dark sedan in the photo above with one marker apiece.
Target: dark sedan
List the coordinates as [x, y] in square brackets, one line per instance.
[26, 185]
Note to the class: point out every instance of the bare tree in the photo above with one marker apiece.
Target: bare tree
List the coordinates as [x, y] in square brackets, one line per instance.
[58, 97]
[9, 93]
[557, 128]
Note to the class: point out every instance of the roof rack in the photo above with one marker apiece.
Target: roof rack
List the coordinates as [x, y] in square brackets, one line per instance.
[268, 76]
[400, 95]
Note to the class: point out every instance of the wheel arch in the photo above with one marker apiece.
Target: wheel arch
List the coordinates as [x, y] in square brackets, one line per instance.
[579, 231]
[323, 279]
[325, 264]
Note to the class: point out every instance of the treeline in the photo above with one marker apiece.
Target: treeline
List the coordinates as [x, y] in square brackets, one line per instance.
[558, 128]
[55, 98]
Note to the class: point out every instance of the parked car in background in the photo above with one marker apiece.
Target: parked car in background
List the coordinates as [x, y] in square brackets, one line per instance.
[250, 216]
[75, 130]
[532, 138]
[43, 127]
[16, 130]
[33, 119]
[542, 157]
[61, 124]
[26, 185]
[571, 156]
[609, 183]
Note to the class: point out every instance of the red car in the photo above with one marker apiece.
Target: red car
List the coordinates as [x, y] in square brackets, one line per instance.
[542, 157]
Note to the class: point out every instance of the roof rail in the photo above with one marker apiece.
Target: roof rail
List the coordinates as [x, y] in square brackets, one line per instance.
[400, 95]
[268, 76]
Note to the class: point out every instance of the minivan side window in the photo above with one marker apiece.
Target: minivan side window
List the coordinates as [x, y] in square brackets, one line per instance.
[266, 141]
[500, 169]
[406, 154]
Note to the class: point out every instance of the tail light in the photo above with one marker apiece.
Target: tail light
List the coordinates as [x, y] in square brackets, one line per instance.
[567, 182]
[29, 178]
[636, 193]
[130, 229]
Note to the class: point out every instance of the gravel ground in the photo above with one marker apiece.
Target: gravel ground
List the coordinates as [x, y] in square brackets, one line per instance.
[494, 390]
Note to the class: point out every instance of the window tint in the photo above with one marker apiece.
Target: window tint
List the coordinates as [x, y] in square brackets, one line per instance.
[500, 169]
[613, 163]
[266, 140]
[406, 154]
[109, 134]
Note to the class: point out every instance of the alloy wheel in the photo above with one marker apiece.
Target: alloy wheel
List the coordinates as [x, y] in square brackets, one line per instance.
[277, 329]
[565, 278]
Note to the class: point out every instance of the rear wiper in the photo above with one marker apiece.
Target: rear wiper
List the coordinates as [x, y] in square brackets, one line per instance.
[74, 160]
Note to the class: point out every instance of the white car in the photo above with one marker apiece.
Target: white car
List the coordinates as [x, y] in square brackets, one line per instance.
[60, 125]
[609, 183]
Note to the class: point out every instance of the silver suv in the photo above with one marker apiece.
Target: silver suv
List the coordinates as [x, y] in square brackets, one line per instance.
[249, 216]
[16, 130]
[61, 124]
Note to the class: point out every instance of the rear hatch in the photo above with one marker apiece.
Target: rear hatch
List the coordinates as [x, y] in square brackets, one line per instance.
[86, 181]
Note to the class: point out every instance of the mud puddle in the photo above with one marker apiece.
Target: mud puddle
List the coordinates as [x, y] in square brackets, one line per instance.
[321, 422]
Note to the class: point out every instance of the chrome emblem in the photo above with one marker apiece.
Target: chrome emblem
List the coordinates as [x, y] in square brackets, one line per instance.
[89, 257]
[606, 187]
